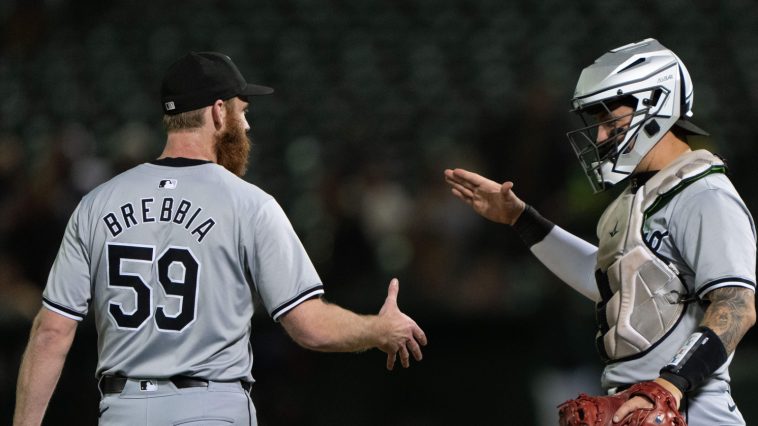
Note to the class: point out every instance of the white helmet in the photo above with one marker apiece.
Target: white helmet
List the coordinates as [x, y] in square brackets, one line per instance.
[645, 76]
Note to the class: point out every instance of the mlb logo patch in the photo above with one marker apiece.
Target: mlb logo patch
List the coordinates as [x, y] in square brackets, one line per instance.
[147, 386]
[167, 183]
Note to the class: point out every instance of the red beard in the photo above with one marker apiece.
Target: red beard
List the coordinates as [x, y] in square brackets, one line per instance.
[233, 147]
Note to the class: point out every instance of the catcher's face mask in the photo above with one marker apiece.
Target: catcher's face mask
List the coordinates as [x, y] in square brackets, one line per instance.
[609, 130]
[660, 86]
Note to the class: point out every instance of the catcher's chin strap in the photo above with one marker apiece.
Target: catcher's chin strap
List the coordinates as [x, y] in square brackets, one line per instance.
[701, 355]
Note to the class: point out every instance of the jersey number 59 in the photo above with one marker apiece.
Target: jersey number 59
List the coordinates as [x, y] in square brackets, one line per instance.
[186, 289]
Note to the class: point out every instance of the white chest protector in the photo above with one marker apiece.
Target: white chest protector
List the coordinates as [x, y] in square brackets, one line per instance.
[643, 297]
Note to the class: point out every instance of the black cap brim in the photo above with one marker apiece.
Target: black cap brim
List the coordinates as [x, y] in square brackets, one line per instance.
[691, 127]
[255, 90]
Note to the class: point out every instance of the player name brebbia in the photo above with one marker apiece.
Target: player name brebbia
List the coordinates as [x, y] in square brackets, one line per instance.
[166, 211]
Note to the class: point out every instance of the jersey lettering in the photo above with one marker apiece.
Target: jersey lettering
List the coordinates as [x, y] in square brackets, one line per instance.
[184, 287]
[112, 223]
[117, 255]
[184, 207]
[655, 239]
[146, 210]
[203, 229]
[170, 212]
[192, 219]
[168, 203]
[127, 212]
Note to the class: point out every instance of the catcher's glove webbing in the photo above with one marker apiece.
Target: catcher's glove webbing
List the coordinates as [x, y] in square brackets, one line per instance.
[598, 410]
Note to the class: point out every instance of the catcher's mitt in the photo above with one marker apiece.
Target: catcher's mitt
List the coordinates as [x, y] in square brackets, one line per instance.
[598, 410]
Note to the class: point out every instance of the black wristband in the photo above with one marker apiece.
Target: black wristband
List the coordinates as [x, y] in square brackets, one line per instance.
[531, 227]
[680, 382]
[701, 355]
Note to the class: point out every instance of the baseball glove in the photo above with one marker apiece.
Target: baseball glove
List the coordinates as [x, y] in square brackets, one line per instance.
[598, 410]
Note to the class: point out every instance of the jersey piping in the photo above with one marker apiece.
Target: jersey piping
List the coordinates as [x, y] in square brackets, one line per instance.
[66, 312]
[300, 298]
[664, 198]
[732, 282]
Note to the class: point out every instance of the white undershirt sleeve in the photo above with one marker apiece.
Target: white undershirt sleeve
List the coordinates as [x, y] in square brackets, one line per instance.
[571, 259]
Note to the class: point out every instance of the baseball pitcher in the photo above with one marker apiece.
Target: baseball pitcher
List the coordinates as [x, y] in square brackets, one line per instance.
[167, 257]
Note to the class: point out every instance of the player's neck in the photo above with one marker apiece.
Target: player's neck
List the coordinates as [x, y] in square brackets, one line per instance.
[190, 144]
[668, 149]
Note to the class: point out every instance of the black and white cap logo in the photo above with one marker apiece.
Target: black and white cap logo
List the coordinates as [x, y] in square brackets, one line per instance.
[167, 184]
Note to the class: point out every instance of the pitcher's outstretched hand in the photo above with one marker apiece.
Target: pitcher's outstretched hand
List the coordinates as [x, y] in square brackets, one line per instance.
[400, 333]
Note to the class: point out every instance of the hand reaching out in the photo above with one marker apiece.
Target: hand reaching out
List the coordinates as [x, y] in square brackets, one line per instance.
[401, 334]
[490, 199]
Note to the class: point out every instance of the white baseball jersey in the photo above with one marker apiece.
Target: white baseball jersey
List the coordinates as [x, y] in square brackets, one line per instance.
[167, 255]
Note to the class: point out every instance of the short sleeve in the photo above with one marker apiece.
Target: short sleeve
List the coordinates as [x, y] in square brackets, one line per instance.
[68, 289]
[715, 234]
[283, 273]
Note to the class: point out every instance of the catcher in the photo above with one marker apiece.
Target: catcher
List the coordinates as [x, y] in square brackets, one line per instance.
[673, 275]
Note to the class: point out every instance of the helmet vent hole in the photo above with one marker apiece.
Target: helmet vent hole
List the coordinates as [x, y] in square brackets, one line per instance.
[656, 95]
[633, 64]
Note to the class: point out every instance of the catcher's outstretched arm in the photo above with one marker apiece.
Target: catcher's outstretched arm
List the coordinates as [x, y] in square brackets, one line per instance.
[569, 257]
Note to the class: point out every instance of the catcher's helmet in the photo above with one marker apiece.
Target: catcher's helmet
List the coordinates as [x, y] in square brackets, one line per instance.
[651, 80]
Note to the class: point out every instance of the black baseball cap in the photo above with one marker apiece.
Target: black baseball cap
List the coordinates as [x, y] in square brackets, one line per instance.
[198, 79]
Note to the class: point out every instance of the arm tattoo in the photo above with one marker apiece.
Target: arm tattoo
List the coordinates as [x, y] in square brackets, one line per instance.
[730, 314]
